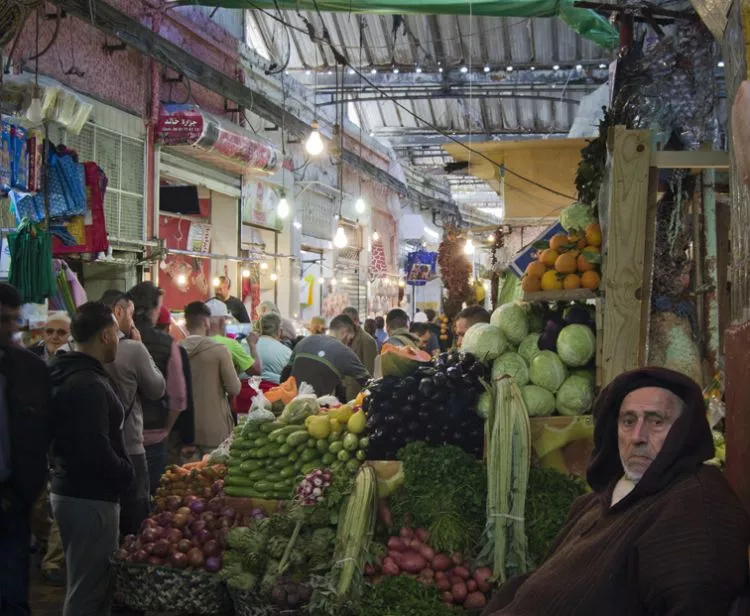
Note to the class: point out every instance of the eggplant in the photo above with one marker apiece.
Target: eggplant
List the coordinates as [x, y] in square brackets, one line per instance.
[426, 387]
[412, 399]
[408, 411]
[468, 360]
[477, 370]
[454, 358]
[440, 379]
[576, 314]
[424, 416]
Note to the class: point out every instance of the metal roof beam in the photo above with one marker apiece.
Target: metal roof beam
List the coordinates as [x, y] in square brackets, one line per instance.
[402, 138]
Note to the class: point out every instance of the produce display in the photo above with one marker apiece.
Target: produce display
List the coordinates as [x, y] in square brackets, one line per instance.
[192, 479]
[568, 260]
[268, 455]
[435, 403]
[548, 349]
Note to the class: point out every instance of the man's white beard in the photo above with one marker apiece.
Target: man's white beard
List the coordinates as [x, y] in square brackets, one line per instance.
[634, 477]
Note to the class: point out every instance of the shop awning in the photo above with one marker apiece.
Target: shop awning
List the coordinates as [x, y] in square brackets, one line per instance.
[587, 23]
[193, 132]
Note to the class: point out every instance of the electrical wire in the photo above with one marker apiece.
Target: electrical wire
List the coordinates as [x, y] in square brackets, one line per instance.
[416, 116]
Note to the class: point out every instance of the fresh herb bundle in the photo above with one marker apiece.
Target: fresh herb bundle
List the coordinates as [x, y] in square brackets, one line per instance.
[445, 493]
[403, 596]
[548, 499]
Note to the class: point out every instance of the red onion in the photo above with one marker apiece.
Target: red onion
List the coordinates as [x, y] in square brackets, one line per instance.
[160, 532]
[165, 518]
[228, 512]
[149, 534]
[128, 541]
[213, 564]
[123, 554]
[406, 533]
[195, 557]
[174, 502]
[140, 556]
[197, 525]
[203, 535]
[148, 523]
[211, 548]
[161, 548]
[155, 560]
[178, 560]
[217, 486]
[174, 535]
[216, 504]
[208, 516]
[183, 545]
[207, 493]
[189, 499]
[179, 520]
[197, 506]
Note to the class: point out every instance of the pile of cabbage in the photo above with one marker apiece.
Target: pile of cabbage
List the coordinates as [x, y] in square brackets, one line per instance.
[549, 351]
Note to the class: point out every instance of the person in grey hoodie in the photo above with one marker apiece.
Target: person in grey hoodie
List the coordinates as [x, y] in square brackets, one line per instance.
[214, 379]
[137, 378]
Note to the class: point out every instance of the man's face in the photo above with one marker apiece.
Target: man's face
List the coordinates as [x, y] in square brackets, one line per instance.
[462, 326]
[354, 319]
[56, 334]
[124, 316]
[424, 340]
[646, 417]
[9, 324]
[110, 339]
[223, 290]
[344, 336]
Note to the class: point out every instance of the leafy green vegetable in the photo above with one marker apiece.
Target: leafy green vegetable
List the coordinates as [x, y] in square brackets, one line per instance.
[548, 499]
[576, 345]
[539, 402]
[444, 492]
[511, 320]
[485, 341]
[575, 396]
[402, 596]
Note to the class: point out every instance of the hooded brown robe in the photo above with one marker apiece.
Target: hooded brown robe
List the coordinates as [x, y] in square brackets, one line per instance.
[677, 544]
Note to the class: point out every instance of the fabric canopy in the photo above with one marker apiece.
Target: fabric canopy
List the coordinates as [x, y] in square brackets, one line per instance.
[584, 21]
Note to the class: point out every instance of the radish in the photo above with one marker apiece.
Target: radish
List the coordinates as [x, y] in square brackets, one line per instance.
[461, 572]
[406, 533]
[457, 558]
[411, 562]
[441, 562]
[443, 584]
[446, 597]
[397, 545]
[427, 552]
[422, 534]
[471, 585]
[474, 601]
[459, 592]
[390, 567]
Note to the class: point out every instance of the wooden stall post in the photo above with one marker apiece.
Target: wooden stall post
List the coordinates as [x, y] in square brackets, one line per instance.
[625, 251]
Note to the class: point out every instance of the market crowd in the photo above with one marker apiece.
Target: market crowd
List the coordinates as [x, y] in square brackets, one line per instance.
[91, 415]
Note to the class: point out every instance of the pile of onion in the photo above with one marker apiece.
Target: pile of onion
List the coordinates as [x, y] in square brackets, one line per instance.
[409, 553]
[189, 534]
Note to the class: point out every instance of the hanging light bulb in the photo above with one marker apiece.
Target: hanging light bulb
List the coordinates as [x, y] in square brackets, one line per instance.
[375, 236]
[282, 209]
[297, 224]
[401, 283]
[35, 113]
[321, 280]
[334, 282]
[344, 280]
[182, 280]
[274, 277]
[264, 266]
[469, 247]
[340, 240]
[491, 237]
[360, 206]
[246, 273]
[216, 282]
[314, 145]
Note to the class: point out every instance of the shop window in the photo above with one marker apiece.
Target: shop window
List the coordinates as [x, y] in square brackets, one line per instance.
[122, 159]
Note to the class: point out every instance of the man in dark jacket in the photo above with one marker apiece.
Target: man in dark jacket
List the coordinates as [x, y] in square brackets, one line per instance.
[661, 534]
[24, 441]
[91, 469]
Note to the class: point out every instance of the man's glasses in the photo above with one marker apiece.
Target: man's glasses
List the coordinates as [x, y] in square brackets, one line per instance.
[60, 332]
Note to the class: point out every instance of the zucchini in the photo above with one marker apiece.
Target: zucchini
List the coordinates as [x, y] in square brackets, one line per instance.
[297, 438]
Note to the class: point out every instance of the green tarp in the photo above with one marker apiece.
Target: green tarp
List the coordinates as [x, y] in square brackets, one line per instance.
[587, 23]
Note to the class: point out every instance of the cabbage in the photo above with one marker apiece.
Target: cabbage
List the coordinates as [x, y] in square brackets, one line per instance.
[576, 345]
[587, 373]
[511, 319]
[512, 364]
[546, 370]
[529, 348]
[575, 396]
[484, 405]
[485, 341]
[576, 217]
[539, 402]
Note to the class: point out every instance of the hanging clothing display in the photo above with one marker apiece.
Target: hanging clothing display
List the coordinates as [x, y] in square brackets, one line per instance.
[31, 262]
[69, 294]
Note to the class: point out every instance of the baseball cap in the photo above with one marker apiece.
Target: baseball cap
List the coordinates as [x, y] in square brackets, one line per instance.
[218, 308]
[165, 317]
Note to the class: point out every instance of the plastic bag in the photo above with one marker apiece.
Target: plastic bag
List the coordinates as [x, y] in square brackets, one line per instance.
[220, 455]
[300, 409]
[329, 401]
[305, 389]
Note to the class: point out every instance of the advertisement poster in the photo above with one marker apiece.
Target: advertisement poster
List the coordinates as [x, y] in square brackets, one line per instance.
[259, 202]
[199, 238]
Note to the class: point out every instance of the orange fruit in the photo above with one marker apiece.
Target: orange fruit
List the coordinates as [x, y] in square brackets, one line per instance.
[566, 263]
[571, 281]
[583, 264]
[530, 283]
[551, 281]
[558, 241]
[581, 243]
[535, 269]
[590, 280]
[594, 234]
[592, 248]
[548, 257]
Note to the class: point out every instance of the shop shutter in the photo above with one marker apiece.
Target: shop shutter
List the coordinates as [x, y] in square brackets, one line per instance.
[348, 272]
[122, 159]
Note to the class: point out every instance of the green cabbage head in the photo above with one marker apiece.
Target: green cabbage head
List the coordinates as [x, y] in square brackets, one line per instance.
[485, 341]
[576, 345]
[512, 364]
[539, 402]
[546, 370]
[575, 396]
[576, 217]
[511, 319]
[529, 348]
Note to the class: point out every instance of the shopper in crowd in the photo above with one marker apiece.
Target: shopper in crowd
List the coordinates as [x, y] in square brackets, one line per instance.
[158, 416]
[234, 305]
[245, 363]
[91, 469]
[56, 337]
[434, 326]
[471, 315]
[123, 308]
[428, 341]
[380, 334]
[288, 330]
[364, 347]
[317, 326]
[24, 441]
[136, 378]
[397, 326]
[214, 379]
[323, 361]
[273, 355]
[371, 329]
[661, 533]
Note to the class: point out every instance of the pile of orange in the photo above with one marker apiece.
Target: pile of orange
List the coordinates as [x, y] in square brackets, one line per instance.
[570, 262]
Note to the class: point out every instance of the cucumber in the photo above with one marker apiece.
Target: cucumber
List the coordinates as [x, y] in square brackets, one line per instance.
[303, 446]
[335, 447]
[299, 464]
[269, 426]
[261, 441]
[294, 456]
[285, 431]
[279, 463]
[309, 455]
[237, 481]
[263, 485]
[310, 467]
[282, 486]
[328, 458]
[285, 450]
[322, 445]
[234, 462]
[311, 442]
[258, 474]
[249, 467]
[243, 492]
[247, 454]
[288, 471]
[297, 438]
